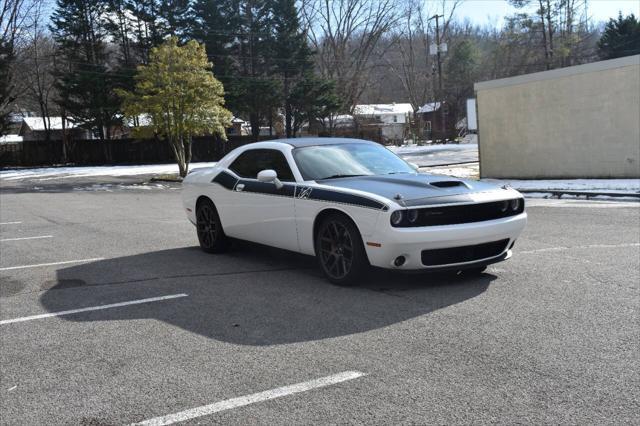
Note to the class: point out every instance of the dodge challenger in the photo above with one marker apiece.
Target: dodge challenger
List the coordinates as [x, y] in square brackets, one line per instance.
[351, 204]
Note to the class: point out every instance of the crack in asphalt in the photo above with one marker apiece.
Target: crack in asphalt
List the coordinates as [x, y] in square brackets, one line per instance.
[161, 278]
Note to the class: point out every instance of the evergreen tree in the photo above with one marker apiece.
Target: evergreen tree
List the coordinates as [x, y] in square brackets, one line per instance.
[313, 99]
[261, 55]
[6, 85]
[215, 23]
[290, 52]
[86, 81]
[621, 38]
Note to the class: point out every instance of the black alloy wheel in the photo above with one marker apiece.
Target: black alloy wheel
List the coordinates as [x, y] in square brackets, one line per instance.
[210, 233]
[340, 251]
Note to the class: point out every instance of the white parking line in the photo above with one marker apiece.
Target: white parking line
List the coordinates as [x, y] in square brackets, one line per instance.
[26, 238]
[251, 399]
[93, 308]
[66, 262]
[10, 223]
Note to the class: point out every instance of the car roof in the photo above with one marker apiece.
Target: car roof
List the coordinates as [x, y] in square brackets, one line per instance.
[302, 142]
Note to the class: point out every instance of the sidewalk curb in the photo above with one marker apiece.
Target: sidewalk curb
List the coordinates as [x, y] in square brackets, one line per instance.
[595, 193]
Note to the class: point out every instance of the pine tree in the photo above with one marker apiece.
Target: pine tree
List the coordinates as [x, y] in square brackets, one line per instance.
[6, 84]
[86, 81]
[290, 52]
[214, 23]
[312, 99]
[621, 38]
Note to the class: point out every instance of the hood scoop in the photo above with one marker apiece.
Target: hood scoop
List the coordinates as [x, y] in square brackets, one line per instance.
[448, 184]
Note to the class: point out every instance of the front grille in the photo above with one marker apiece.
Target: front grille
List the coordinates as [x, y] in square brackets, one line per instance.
[452, 215]
[462, 254]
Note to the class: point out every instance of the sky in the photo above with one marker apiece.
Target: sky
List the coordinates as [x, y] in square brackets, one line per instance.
[491, 12]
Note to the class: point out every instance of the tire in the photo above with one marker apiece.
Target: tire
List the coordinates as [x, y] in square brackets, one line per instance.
[209, 228]
[339, 250]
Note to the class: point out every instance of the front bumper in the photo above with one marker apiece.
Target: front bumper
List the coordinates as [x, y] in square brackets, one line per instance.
[410, 242]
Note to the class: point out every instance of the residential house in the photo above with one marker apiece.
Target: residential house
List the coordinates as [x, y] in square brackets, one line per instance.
[431, 120]
[33, 129]
[392, 120]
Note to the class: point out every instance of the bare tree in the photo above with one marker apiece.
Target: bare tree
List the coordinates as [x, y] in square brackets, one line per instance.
[13, 17]
[556, 22]
[345, 34]
[412, 64]
[36, 65]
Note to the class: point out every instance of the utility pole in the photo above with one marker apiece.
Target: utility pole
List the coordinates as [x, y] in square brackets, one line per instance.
[439, 60]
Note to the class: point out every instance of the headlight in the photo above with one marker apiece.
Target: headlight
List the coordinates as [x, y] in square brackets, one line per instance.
[396, 217]
[514, 204]
[504, 206]
[412, 215]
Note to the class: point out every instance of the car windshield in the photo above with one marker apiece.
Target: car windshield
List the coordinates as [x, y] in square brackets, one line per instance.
[347, 160]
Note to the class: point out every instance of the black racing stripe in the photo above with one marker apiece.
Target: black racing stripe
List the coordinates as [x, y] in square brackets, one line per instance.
[344, 198]
[302, 192]
[225, 179]
[267, 188]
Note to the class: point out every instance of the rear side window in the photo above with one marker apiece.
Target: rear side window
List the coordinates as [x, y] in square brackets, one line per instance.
[250, 163]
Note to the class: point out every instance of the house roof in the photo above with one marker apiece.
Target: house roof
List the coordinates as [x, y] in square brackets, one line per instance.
[37, 124]
[429, 107]
[10, 139]
[382, 109]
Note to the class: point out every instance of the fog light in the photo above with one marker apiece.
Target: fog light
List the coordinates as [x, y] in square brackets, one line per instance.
[399, 261]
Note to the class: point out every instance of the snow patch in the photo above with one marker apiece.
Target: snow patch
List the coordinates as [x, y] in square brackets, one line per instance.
[432, 155]
[595, 185]
[49, 173]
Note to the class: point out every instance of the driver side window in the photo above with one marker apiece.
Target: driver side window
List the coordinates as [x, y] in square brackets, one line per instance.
[251, 162]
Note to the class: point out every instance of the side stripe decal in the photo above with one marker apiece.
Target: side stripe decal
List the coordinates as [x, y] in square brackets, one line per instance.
[229, 182]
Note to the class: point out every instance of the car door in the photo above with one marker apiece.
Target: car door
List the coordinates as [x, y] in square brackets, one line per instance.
[259, 211]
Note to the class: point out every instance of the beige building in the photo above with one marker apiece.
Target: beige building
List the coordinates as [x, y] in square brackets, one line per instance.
[575, 122]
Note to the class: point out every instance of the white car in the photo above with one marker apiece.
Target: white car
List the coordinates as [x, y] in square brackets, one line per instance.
[351, 203]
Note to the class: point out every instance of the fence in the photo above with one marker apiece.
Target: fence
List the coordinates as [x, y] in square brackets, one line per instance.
[110, 152]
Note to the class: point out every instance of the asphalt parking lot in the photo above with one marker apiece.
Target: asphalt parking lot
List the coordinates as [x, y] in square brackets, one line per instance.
[159, 330]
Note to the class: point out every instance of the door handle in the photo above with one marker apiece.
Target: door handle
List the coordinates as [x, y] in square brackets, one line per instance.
[239, 187]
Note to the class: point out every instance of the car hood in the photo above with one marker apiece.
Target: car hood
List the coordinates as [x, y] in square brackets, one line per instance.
[415, 189]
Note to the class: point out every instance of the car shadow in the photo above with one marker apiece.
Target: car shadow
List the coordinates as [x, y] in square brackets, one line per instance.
[252, 295]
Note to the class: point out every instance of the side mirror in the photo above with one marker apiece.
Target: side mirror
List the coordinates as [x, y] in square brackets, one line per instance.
[414, 166]
[270, 176]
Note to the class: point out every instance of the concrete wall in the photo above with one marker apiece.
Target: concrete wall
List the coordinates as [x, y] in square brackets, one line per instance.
[575, 122]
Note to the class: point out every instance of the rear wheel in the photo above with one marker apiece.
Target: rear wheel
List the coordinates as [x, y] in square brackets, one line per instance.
[340, 251]
[210, 233]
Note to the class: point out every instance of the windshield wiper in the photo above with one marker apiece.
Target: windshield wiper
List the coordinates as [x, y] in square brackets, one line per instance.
[339, 176]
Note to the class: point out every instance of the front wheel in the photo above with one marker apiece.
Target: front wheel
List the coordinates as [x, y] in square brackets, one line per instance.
[340, 251]
[210, 233]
